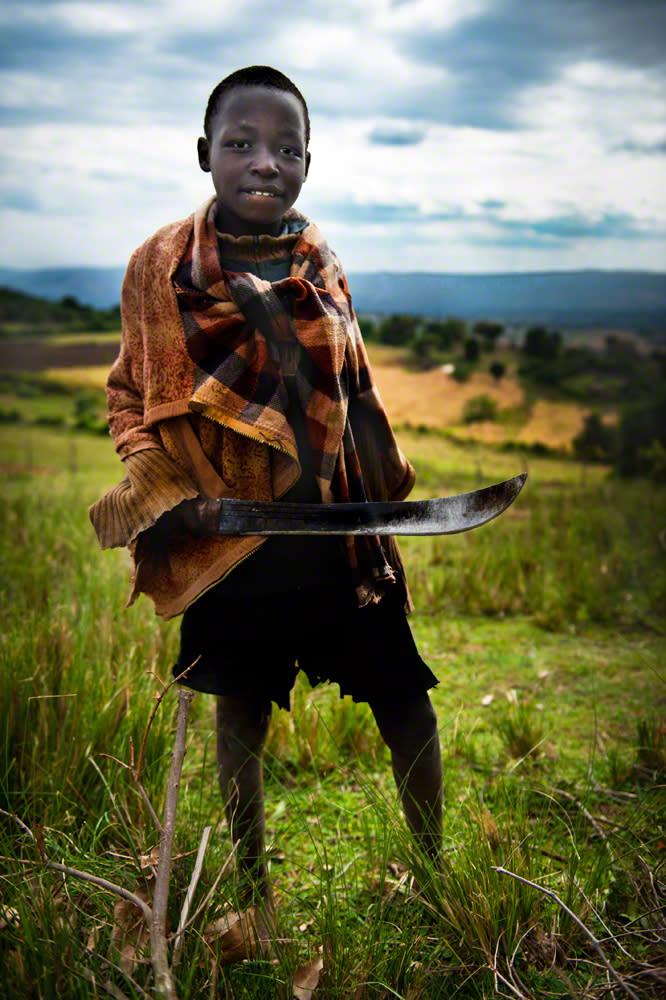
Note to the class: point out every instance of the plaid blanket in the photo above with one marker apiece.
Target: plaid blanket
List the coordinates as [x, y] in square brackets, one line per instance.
[233, 323]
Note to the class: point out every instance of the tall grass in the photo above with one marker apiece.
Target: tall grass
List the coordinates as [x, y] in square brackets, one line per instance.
[79, 679]
[564, 554]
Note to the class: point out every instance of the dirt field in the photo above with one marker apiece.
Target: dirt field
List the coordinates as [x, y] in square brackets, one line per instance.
[38, 355]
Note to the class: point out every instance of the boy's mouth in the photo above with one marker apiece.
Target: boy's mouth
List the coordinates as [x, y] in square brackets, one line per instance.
[263, 192]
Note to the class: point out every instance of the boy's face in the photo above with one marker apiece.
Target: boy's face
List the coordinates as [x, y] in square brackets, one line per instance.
[256, 157]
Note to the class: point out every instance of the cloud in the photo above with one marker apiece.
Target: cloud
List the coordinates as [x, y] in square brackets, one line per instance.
[648, 148]
[512, 45]
[397, 134]
[565, 230]
[469, 134]
[385, 214]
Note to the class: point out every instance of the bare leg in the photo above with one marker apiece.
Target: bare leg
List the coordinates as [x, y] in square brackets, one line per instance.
[242, 726]
[409, 729]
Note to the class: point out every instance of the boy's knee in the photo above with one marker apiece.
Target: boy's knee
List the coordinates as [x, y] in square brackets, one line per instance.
[408, 728]
[243, 722]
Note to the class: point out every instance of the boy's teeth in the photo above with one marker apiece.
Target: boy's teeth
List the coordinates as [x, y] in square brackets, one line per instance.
[264, 194]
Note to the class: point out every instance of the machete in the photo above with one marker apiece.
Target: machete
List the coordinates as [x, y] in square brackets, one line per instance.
[441, 516]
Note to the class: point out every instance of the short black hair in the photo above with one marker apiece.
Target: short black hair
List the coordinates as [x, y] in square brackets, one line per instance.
[254, 76]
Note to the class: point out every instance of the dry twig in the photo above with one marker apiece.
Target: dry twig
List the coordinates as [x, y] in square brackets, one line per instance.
[586, 931]
[198, 865]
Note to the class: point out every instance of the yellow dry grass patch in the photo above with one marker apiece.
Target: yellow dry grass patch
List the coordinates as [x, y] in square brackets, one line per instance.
[485, 432]
[92, 377]
[435, 399]
[550, 423]
[554, 424]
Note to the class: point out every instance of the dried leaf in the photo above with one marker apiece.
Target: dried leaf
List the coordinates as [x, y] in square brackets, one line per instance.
[238, 936]
[39, 840]
[8, 915]
[151, 860]
[306, 979]
[93, 937]
[130, 932]
[487, 699]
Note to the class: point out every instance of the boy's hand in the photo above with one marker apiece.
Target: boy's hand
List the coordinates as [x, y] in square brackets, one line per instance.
[184, 519]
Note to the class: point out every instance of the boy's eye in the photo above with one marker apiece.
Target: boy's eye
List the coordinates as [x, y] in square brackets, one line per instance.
[238, 144]
[290, 151]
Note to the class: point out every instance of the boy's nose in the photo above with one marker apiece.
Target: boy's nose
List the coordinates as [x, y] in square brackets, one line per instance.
[265, 164]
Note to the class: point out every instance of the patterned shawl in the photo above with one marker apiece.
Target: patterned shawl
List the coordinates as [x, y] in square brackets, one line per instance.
[232, 323]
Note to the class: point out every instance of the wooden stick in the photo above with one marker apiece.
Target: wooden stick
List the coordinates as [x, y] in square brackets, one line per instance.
[164, 986]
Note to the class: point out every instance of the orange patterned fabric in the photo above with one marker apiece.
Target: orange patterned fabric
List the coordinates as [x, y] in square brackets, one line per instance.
[197, 341]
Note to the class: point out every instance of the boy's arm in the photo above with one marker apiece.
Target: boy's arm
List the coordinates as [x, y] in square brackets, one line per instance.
[157, 491]
[124, 396]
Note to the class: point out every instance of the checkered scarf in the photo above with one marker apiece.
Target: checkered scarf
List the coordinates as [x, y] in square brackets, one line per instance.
[232, 322]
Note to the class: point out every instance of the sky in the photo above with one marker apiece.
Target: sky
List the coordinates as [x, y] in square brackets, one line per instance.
[447, 135]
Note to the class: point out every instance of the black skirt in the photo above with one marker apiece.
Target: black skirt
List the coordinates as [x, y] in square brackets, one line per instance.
[254, 647]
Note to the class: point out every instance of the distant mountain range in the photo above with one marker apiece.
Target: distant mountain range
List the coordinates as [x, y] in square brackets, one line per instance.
[594, 298]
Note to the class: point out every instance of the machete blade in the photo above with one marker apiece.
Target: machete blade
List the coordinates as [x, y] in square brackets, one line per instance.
[441, 516]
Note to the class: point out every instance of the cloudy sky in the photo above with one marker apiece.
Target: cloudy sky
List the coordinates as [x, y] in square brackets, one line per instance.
[449, 135]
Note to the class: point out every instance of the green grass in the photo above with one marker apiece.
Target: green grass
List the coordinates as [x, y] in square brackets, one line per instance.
[551, 714]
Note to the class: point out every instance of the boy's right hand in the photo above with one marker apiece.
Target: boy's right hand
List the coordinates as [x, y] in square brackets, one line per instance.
[184, 519]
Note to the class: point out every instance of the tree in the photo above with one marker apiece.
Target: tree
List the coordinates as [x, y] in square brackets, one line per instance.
[472, 349]
[642, 425]
[448, 331]
[489, 331]
[368, 328]
[398, 329]
[596, 442]
[497, 369]
[542, 343]
[70, 302]
[422, 348]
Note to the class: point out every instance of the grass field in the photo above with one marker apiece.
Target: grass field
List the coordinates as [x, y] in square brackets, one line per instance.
[545, 629]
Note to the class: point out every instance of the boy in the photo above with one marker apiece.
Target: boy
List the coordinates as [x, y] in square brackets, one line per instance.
[242, 373]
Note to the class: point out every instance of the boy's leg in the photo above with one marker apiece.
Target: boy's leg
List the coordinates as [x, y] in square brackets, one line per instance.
[242, 727]
[409, 729]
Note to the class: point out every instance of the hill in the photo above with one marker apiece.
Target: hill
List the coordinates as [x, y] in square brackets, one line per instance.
[95, 286]
[611, 299]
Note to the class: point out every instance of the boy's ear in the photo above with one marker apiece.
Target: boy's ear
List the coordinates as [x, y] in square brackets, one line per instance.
[307, 164]
[203, 152]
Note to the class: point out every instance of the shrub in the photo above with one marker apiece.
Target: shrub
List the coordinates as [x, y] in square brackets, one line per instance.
[10, 416]
[477, 408]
